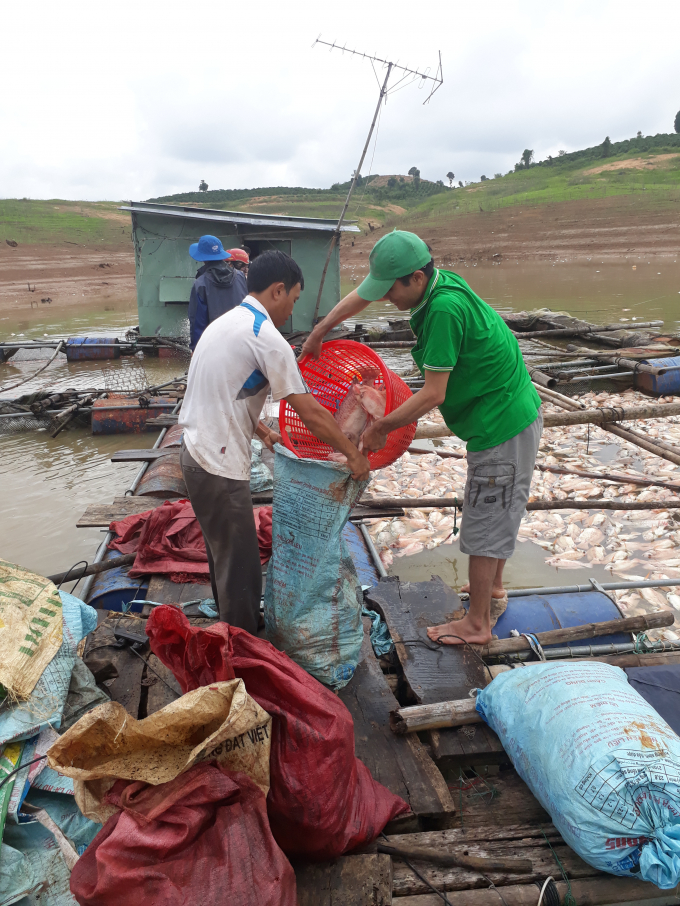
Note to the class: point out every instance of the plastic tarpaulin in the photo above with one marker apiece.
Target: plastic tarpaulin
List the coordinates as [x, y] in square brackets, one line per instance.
[660, 686]
[45, 705]
[31, 862]
[168, 540]
[322, 800]
[313, 600]
[599, 759]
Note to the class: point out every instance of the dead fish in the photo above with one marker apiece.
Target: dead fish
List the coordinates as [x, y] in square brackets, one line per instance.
[413, 548]
[564, 564]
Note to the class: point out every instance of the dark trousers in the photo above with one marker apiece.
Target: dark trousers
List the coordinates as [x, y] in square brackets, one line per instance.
[224, 510]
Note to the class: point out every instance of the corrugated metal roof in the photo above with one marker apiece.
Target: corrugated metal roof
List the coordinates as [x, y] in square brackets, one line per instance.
[244, 217]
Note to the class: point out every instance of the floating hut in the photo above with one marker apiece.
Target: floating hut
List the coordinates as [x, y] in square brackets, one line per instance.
[165, 272]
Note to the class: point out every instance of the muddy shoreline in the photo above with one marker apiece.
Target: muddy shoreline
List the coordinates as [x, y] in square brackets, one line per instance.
[607, 229]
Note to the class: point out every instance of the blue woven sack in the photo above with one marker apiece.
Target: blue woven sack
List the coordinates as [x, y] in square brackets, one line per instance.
[313, 600]
[599, 759]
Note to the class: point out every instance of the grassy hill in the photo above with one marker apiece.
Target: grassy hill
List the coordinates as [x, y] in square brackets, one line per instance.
[57, 222]
[647, 169]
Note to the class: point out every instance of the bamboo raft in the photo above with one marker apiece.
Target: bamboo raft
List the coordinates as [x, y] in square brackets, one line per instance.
[474, 829]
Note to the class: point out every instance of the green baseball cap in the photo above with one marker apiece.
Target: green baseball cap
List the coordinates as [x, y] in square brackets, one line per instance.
[395, 255]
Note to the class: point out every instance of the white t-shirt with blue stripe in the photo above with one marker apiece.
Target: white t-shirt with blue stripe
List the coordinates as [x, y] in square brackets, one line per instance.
[239, 359]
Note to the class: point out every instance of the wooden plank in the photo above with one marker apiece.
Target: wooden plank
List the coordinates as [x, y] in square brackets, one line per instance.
[158, 694]
[99, 515]
[406, 770]
[535, 849]
[126, 688]
[102, 514]
[500, 800]
[431, 670]
[162, 421]
[350, 881]
[596, 891]
[142, 455]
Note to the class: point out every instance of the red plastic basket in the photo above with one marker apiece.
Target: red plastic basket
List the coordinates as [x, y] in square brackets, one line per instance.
[329, 378]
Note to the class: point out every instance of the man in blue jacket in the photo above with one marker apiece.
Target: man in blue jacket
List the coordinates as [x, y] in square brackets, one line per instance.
[217, 289]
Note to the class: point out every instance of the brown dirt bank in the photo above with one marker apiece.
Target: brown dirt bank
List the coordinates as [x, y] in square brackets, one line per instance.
[608, 228]
[69, 277]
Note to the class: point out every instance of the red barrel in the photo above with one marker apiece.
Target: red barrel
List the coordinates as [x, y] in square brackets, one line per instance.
[125, 416]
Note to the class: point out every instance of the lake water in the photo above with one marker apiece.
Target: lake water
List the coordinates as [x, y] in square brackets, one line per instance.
[47, 484]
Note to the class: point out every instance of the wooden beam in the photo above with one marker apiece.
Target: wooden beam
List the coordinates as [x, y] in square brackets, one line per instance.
[595, 891]
[364, 880]
[435, 673]
[574, 633]
[142, 455]
[406, 770]
[571, 503]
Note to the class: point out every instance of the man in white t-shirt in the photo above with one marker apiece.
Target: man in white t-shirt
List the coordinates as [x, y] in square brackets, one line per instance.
[239, 359]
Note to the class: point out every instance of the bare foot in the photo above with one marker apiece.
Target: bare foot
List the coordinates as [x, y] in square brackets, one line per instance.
[458, 631]
[497, 593]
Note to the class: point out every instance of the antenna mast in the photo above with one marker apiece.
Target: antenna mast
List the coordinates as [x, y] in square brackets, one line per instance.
[413, 75]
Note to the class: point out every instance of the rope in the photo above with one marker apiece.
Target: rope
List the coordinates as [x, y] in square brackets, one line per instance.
[35, 373]
[467, 644]
[641, 641]
[569, 896]
[550, 890]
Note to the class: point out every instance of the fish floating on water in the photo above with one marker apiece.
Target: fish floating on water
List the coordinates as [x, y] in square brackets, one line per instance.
[630, 544]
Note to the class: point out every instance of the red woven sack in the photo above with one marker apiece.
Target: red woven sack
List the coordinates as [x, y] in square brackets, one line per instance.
[322, 800]
[202, 838]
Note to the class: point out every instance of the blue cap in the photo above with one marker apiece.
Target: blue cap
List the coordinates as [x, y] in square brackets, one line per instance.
[208, 248]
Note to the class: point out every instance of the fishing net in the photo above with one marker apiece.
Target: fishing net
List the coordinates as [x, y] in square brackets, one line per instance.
[128, 377]
[15, 422]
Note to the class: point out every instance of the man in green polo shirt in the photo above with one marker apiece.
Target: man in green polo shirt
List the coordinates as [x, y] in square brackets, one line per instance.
[475, 374]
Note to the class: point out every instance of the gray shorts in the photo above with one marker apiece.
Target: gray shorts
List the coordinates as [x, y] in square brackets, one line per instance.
[496, 494]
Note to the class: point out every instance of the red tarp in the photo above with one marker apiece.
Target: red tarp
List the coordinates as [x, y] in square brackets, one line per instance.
[322, 800]
[169, 540]
[203, 838]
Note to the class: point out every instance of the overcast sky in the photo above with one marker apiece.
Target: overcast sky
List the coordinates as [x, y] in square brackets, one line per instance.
[138, 98]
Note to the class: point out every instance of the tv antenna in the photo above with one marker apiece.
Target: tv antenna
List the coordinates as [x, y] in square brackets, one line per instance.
[409, 76]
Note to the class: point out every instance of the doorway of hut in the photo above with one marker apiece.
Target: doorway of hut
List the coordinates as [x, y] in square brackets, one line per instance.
[255, 247]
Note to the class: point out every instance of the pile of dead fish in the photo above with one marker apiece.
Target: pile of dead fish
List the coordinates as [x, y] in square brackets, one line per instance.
[631, 544]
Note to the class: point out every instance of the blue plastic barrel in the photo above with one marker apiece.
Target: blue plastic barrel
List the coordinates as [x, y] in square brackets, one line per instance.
[114, 589]
[88, 348]
[538, 613]
[663, 384]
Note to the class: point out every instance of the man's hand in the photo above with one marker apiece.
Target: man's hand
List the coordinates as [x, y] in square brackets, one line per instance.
[267, 436]
[312, 345]
[359, 466]
[374, 437]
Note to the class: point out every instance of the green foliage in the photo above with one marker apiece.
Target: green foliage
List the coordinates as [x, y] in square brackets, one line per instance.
[676, 124]
[484, 178]
[606, 147]
[657, 143]
[450, 176]
[392, 182]
[527, 158]
[203, 186]
[414, 172]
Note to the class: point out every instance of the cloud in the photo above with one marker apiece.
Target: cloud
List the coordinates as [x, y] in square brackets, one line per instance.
[139, 99]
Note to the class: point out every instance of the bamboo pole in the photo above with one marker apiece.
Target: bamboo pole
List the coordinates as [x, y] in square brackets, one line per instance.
[93, 569]
[552, 396]
[571, 503]
[581, 331]
[632, 364]
[455, 860]
[640, 623]
[644, 444]
[538, 377]
[600, 416]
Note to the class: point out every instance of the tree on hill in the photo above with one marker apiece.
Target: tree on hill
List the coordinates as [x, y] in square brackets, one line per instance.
[483, 178]
[677, 121]
[460, 183]
[527, 158]
[391, 182]
[606, 147]
[203, 186]
[450, 176]
[414, 172]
